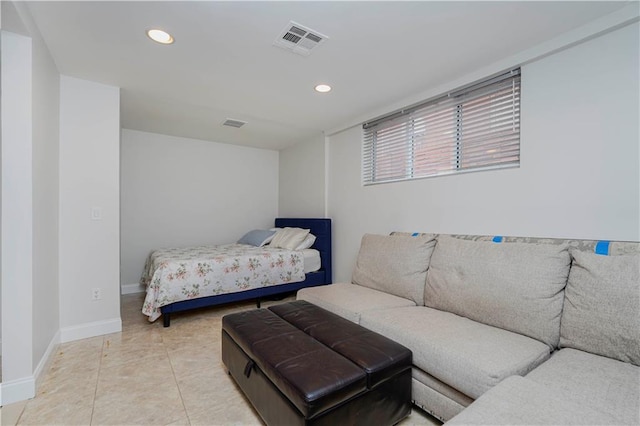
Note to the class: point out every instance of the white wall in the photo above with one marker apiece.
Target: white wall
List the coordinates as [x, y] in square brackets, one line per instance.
[579, 175]
[36, 153]
[89, 249]
[302, 187]
[17, 225]
[178, 192]
[46, 115]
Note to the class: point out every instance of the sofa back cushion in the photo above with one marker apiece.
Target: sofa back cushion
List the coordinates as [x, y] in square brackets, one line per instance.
[602, 306]
[515, 286]
[394, 264]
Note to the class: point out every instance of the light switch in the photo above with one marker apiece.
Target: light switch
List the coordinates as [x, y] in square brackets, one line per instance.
[96, 213]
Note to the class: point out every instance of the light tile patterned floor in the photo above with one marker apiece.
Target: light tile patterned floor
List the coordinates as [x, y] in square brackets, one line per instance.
[146, 375]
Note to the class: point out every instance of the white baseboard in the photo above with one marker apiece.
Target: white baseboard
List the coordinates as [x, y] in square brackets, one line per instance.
[46, 359]
[17, 390]
[25, 388]
[132, 288]
[91, 329]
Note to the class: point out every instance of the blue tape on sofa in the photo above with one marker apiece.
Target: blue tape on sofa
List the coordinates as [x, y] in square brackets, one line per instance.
[497, 239]
[415, 234]
[602, 248]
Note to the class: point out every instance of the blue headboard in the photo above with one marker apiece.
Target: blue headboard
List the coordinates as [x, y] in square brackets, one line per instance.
[321, 228]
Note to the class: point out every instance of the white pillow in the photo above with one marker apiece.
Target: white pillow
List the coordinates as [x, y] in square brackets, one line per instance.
[275, 231]
[307, 243]
[289, 238]
[270, 238]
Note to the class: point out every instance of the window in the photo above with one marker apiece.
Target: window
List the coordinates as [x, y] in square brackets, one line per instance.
[474, 128]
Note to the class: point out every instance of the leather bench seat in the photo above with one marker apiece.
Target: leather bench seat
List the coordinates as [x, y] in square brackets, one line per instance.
[309, 374]
[300, 364]
[377, 355]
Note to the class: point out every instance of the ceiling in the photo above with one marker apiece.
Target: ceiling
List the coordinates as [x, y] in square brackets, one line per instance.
[223, 63]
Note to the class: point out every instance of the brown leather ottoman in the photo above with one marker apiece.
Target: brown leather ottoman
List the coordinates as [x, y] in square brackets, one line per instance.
[299, 364]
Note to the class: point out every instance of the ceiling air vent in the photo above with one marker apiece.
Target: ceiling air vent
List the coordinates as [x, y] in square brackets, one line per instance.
[299, 39]
[234, 123]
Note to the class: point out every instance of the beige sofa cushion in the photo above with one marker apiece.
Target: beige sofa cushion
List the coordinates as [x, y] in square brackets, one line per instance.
[464, 354]
[515, 286]
[602, 306]
[350, 300]
[394, 264]
[606, 384]
[519, 401]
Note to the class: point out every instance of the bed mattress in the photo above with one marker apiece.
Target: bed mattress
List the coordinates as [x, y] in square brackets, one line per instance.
[312, 260]
[178, 274]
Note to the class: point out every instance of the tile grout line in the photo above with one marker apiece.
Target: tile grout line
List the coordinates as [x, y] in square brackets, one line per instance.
[95, 392]
[21, 413]
[184, 407]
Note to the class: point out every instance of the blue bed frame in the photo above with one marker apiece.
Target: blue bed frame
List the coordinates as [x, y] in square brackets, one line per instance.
[321, 228]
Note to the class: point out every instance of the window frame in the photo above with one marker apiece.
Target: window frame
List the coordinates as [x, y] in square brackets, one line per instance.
[481, 106]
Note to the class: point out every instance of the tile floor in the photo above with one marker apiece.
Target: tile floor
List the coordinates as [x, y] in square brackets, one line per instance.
[146, 375]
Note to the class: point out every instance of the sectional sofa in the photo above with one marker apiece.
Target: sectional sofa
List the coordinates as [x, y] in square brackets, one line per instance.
[504, 330]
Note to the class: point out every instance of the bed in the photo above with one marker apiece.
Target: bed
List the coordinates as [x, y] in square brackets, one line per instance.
[218, 263]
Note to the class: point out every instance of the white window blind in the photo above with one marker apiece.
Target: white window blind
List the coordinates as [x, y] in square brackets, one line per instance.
[473, 128]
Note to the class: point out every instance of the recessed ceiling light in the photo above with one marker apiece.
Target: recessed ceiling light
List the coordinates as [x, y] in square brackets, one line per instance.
[323, 88]
[160, 36]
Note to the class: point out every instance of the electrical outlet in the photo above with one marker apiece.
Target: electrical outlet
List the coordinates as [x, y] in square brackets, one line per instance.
[96, 294]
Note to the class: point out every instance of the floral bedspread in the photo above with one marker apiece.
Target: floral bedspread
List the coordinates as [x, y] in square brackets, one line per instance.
[176, 274]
